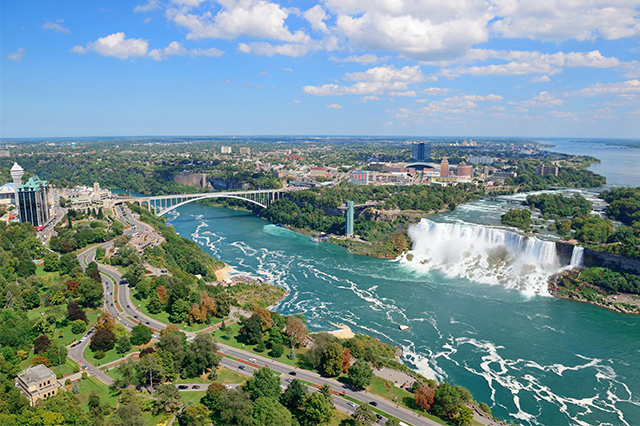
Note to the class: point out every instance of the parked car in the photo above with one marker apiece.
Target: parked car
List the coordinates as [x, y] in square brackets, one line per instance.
[195, 387]
[288, 380]
[242, 367]
[375, 404]
[351, 404]
[183, 387]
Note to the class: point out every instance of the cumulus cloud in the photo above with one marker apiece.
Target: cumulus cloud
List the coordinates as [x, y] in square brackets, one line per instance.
[540, 79]
[527, 62]
[434, 91]
[17, 55]
[150, 6]
[316, 17]
[56, 26]
[176, 49]
[115, 45]
[268, 49]
[464, 103]
[374, 81]
[256, 18]
[625, 88]
[333, 106]
[542, 100]
[575, 20]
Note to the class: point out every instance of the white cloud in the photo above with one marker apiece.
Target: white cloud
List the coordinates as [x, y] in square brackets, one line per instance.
[176, 49]
[527, 62]
[434, 91]
[563, 114]
[333, 106]
[150, 6]
[287, 69]
[56, 26]
[17, 55]
[407, 94]
[147, 19]
[316, 17]
[366, 99]
[374, 81]
[268, 49]
[117, 46]
[388, 73]
[256, 18]
[631, 69]
[296, 101]
[540, 79]
[542, 100]
[365, 59]
[630, 87]
[567, 20]
[453, 105]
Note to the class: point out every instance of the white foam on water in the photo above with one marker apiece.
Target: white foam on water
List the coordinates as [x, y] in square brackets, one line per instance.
[483, 254]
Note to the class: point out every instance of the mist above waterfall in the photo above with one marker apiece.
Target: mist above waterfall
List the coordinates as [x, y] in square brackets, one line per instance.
[483, 254]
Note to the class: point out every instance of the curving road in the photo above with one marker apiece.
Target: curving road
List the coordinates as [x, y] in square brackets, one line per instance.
[118, 302]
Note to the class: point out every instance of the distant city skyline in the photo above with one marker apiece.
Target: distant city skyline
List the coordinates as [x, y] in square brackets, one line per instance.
[349, 67]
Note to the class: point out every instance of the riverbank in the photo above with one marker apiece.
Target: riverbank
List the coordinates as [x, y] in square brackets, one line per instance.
[567, 285]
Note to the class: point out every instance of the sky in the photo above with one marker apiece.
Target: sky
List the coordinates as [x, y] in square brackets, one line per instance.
[542, 68]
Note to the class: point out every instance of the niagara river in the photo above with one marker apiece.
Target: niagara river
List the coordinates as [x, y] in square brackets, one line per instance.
[476, 301]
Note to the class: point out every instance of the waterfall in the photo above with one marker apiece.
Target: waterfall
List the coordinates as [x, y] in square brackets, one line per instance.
[576, 256]
[483, 254]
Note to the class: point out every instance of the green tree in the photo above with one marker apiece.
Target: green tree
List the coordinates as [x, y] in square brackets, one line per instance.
[168, 399]
[51, 262]
[462, 415]
[123, 345]
[91, 292]
[134, 274]
[194, 415]
[392, 422]
[223, 302]
[269, 412]
[76, 388]
[155, 305]
[264, 383]
[332, 360]
[252, 329]
[140, 334]
[236, 408]
[361, 374]
[201, 356]
[316, 410]
[78, 327]
[126, 374]
[179, 310]
[174, 344]
[294, 395]
[149, 370]
[277, 350]
[30, 298]
[211, 398]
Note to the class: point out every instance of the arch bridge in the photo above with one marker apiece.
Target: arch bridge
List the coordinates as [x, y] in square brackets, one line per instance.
[163, 204]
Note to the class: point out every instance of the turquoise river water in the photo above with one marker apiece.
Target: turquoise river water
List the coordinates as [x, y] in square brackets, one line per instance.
[488, 326]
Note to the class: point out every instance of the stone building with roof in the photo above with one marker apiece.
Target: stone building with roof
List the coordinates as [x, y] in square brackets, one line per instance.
[37, 383]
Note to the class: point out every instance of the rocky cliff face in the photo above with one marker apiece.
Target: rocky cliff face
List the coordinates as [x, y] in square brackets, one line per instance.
[612, 261]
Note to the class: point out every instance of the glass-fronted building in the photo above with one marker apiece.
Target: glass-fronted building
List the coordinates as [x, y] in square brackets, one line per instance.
[33, 201]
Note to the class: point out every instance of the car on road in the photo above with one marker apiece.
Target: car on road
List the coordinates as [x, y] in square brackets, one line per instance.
[292, 373]
[195, 387]
[351, 404]
[252, 360]
[135, 316]
[373, 403]
[128, 306]
[288, 380]
[242, 367]
[147, 323]
[183, 387]
[378, 416]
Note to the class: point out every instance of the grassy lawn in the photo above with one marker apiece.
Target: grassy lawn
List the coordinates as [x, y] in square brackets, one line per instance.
[193, 397]
[154, 420]
[40, 272]
[229, 376]
[109, 356]
[107, 395]
[338, 418]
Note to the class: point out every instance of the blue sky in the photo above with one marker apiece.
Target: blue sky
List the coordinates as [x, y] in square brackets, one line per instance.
[330, 67]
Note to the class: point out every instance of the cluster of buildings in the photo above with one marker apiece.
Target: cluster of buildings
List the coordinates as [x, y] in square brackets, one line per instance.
[32, 200]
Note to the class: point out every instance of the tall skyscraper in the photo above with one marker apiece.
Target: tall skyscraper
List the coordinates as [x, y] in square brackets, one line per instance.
[421, 151]
[16, 174]
[33, 202]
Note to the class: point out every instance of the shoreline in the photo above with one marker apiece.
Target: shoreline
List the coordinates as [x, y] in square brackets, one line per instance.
[343, 331]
